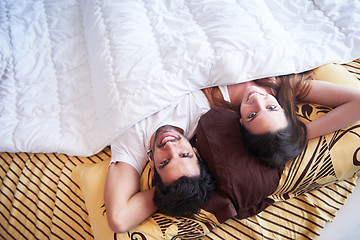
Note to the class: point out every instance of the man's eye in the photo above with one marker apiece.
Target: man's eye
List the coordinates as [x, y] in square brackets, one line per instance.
[186, 155]
[272, 107]
[251, 115]
[163, 164]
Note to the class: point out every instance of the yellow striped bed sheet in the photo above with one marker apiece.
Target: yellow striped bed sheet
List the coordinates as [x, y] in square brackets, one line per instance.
[40, 199]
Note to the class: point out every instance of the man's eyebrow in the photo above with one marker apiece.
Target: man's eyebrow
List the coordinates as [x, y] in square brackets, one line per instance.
[188, 156]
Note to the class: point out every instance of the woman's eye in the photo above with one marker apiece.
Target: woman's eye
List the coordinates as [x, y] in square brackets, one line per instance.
[272, 107]
[185, 154]
[251, 115]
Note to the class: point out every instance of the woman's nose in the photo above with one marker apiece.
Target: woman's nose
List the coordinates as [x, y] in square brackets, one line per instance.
[258, 100]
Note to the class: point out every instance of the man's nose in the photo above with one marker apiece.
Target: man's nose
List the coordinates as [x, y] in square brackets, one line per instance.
[170, 148]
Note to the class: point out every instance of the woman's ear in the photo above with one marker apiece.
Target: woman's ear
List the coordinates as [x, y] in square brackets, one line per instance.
[241, 121]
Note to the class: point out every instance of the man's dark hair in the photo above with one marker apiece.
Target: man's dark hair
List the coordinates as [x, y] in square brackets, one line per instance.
[185, 196]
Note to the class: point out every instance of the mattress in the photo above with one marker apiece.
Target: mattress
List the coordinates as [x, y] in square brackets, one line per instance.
[41, 198]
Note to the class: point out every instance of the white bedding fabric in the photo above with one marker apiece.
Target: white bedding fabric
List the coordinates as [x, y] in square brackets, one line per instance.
[76, 74]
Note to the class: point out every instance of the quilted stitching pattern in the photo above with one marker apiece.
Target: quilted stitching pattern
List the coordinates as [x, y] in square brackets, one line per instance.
[76, 74]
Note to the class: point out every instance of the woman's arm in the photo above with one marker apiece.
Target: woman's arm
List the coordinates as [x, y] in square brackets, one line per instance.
[126, 207]
[346, 101]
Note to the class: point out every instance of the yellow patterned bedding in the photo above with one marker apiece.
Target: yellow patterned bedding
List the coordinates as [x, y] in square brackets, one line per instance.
[42, 197]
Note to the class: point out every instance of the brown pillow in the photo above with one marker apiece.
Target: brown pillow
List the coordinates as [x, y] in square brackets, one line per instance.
[243, 183]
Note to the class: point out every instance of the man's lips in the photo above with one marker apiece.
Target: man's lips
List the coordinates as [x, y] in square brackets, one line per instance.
[165, 137]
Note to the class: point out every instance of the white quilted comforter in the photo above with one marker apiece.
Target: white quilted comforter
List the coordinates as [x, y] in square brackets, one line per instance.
[75, 74]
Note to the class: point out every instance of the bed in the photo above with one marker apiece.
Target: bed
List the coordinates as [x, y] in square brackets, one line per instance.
[77, 74]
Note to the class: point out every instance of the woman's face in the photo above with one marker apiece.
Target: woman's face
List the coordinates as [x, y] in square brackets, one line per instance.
[261, 112]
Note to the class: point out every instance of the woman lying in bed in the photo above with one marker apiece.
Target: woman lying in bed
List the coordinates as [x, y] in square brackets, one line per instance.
[269, 125]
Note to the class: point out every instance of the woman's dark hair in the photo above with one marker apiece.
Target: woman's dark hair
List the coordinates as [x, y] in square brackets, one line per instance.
[276, 148]
[185, 196]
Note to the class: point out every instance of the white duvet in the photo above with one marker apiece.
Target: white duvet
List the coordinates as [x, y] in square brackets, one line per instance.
[76, 74]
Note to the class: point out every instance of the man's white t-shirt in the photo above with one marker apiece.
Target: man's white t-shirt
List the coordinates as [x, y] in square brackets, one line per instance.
[131, 147]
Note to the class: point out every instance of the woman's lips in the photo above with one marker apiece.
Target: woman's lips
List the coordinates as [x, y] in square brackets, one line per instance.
[252, 93]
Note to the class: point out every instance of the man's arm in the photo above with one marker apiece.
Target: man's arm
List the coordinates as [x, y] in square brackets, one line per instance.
[126, 207]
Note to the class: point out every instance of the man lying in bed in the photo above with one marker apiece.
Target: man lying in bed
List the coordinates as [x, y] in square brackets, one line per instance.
[173, 157]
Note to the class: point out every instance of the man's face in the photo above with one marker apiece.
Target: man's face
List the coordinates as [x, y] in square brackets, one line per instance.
[173, 156]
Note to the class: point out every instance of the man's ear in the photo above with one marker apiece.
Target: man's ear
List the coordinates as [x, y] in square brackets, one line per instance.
[196, 152]
[152, 168]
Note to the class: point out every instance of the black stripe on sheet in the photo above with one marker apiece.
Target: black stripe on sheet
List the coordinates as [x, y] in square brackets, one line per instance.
[69, 216]
[29, 220]
[49, 198]
[282, 226]
[273, 232]
[218, 237]
[307, 180]
[338, 135]
[74, 201]
[353, 67]
[20, 222]
[289, 185]
[240, 222]
[68, 187]
[329, 197]
[348, 182]
[57, 236]
[321, 199]
[36, 186]
[21, 202]
[294, 222]
[228, 233]
[5, 162]
[294, 169]
[48, 168]
[251, 229]
[2, 236]
[162, 221]
[12, 180]
[70, 236]
[319, 207]
[294, 206]
[17, 230]
[337, 192]
[210, 224]
[297, 206]
[69, 177]
[69, 209]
